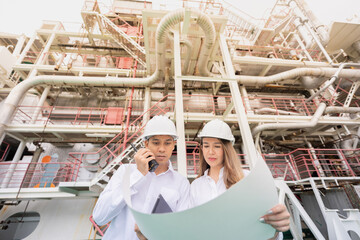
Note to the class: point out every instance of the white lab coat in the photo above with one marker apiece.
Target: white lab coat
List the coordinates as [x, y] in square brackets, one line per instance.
[144, 191]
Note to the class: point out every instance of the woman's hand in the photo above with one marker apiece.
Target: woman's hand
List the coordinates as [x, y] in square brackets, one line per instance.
[138, 233]
[278, 217]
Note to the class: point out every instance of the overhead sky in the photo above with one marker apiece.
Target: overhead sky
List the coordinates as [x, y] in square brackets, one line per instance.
[25, 16]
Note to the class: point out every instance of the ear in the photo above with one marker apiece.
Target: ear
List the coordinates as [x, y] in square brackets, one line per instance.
[146, 143]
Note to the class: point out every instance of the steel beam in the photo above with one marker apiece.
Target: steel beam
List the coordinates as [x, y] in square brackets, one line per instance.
[248, 141]
[179, 107]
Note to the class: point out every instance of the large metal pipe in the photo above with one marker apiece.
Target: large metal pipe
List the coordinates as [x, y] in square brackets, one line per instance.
[166, 23]
[331, 80]
[173, 18]
[314, 120]
[315, 22]
[295, 73]
[342, 110]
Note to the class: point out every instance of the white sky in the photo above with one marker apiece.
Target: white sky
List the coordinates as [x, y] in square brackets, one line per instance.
[25, 16]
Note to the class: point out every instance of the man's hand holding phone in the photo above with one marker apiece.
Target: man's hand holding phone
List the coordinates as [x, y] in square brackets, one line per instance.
[142, 159]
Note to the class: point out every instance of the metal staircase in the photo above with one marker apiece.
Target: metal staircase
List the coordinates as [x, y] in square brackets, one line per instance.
[106, 25]
[100, 181]
[240, 26]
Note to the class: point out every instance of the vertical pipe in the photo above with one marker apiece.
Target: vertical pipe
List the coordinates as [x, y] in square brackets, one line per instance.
[303, 47]
[246, 99]
[316, 160]
[40, 105]
[318, 42]
[14, 164]
[249, 146]
[179, 108]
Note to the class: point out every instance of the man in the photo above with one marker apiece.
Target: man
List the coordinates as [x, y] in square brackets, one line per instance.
[145, 187]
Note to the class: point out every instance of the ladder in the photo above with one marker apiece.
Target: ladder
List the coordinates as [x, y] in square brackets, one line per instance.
[99, 182]
[125, 41]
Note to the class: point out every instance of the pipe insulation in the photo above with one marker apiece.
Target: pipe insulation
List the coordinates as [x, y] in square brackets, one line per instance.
[314, 120]
[173, 18]
[342, 110]
[295, 73]
[332, 80]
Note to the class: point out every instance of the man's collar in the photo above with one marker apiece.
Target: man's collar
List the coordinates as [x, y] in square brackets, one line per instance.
[170, 168]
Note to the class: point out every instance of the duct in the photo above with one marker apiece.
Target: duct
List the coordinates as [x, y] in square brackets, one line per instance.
[294, 73]
[171, 19]
[342, 110]
[331, 80]
[314, 120]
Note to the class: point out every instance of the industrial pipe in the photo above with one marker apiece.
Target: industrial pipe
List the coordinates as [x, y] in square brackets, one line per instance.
[314, 120]
[331, 80]
[271, 110]
[295, 73]
[166, 23]
[173, 18]
[328, 84]
[342, 110]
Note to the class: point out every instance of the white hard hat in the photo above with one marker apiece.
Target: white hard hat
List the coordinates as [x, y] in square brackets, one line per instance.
[217, 129]
[159, 125]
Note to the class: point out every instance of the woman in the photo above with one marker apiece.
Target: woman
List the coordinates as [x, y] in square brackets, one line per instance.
[220, 168]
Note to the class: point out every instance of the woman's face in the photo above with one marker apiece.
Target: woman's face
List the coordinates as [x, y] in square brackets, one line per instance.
[213, 152]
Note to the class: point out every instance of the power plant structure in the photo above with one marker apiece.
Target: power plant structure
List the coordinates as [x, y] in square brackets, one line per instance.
[74, 96]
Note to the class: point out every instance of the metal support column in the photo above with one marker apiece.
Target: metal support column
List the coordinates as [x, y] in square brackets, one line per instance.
[147, 105]
[14, 164]
[179, 108]
[248, 141]
[246, 100]
[40, 104]
[19, 45]
[26, 49]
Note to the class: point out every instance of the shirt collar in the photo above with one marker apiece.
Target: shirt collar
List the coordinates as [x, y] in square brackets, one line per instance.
[206, 173]
[170, 169]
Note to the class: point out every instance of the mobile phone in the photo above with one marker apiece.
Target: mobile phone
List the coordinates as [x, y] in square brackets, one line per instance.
[152, 164]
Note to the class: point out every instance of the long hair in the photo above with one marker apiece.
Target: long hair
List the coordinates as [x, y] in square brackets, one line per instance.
[232, 167]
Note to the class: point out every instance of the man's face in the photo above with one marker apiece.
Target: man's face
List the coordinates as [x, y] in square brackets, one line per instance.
[161, 146]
